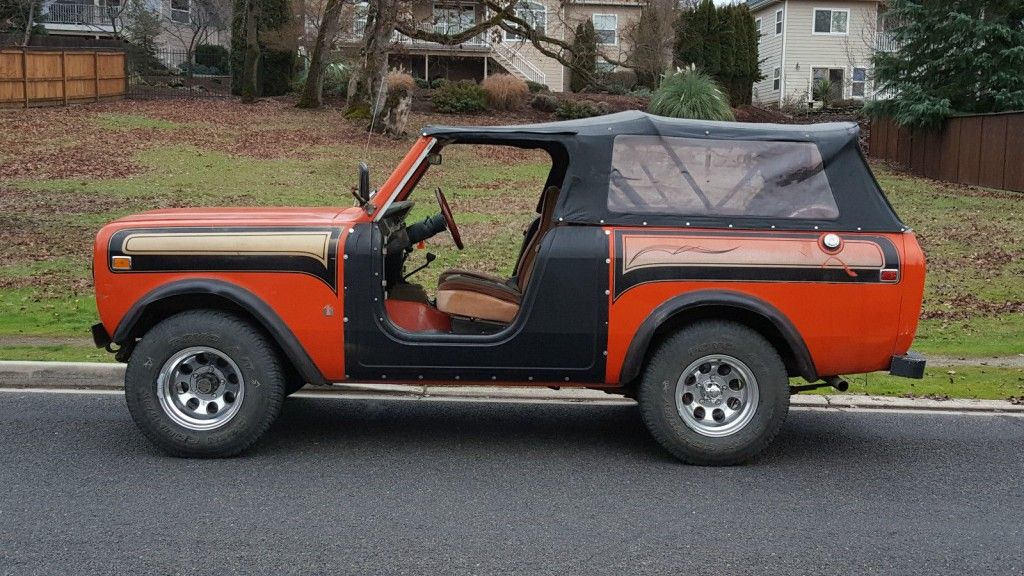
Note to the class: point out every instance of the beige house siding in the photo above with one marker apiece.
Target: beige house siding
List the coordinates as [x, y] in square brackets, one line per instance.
[562, 22]
[769, 53]
[806, 50]
[799, 50]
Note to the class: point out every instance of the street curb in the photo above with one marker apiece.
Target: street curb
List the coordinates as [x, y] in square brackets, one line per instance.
[103, 376]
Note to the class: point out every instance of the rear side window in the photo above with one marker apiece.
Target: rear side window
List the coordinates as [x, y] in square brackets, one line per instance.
[704, 177]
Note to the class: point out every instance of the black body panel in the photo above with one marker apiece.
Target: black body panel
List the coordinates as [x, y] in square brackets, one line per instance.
[560, 334]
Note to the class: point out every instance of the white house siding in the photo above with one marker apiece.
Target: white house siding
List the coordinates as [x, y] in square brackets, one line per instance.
[769, 53]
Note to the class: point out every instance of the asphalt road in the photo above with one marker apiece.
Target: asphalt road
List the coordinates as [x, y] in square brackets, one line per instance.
[429, 487]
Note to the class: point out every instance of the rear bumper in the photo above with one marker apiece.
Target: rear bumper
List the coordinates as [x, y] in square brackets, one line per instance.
[909, 365]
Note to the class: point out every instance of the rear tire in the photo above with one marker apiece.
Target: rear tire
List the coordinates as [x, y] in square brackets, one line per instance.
[714, 393]
[204, 383]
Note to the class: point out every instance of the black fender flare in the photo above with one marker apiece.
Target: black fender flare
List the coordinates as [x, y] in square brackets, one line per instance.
[259, 310]
[633, 362]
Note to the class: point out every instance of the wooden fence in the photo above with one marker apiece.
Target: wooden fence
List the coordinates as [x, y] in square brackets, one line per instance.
[35, 77]
[982, 149]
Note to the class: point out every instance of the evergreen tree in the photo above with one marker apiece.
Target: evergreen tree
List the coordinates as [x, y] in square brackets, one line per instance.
[721, 42]
[584, 56]
[955, 56]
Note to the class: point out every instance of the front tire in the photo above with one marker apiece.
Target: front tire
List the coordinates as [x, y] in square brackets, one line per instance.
[714, 393]
[204, 383]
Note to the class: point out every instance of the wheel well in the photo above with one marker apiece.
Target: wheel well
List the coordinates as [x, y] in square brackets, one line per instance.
[159, 310]
[748, 318]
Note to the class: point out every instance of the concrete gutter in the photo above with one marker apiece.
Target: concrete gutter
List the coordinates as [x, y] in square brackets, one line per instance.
[108, 376]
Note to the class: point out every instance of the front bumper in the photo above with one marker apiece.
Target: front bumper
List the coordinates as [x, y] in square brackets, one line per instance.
[909, 365]
[100, 336]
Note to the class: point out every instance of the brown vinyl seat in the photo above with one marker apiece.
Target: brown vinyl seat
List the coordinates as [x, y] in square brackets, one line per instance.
[484, 296]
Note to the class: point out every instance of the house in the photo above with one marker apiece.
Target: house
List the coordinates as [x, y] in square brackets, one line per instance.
[179, 21]
[804, 41]
[497, 51]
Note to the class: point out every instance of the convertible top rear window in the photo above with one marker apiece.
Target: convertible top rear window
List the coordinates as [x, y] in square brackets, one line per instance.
[707, 177]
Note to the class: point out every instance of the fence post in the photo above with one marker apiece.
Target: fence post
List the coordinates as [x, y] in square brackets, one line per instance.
[64, 75]
[96, 74]
[24, 76]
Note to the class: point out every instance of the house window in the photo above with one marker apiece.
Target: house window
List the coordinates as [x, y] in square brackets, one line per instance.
[858, 82]
[607, 28]
[831, 21]
[757, 28]
[535, 14]
[776, 78]
[452, 19]
[359, 19]
[181, 11]
[778, 22]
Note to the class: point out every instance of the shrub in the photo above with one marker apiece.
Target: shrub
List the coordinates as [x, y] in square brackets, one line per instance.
[505, 92]
[544, 103]
[335, 77]
[438, 82]
[641, 92]
[822, 91]
[691, 94]
[573, 109]
[459, 97]
[536, 87]
[621, 81]
[214, 56]
[421, 83]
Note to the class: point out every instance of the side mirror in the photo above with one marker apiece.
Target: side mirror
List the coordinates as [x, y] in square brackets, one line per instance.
[364, 182]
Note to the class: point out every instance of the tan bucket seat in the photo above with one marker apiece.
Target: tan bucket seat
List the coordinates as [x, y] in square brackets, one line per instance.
[486, 297]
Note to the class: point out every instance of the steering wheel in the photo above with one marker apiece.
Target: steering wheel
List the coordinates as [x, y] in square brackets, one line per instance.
[449, 220]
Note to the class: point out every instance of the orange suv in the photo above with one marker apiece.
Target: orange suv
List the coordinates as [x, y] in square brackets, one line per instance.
[695, 266]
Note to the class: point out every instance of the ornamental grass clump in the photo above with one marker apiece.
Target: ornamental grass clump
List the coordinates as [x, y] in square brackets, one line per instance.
[505, 92]
[691, 94]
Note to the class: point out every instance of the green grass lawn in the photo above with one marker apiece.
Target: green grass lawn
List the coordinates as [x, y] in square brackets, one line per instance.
[68, 171]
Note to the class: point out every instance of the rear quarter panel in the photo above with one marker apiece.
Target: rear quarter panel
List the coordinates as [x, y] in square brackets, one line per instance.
[850, 321]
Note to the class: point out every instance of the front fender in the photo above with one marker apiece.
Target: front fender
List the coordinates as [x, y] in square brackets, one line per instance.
[151, 309]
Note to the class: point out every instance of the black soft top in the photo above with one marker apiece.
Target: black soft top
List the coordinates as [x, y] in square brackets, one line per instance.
[582, 152]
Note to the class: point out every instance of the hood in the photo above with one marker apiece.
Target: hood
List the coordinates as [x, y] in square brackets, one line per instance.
[244, 217]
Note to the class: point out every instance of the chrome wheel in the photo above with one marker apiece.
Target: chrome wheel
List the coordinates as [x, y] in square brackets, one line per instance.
[716, 395]
[200, 388]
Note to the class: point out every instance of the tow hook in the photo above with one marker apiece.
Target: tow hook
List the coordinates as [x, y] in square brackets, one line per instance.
[837, 382]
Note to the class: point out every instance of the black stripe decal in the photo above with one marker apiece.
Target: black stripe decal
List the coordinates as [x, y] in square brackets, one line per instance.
[326, 271]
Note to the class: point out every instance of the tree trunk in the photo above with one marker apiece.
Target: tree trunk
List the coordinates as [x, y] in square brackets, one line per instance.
[28, 23]
[312, 92]
[367, 89]
[252, 54]
[396, 116]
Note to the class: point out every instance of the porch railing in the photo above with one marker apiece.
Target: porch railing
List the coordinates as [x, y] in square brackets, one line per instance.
[82, 14]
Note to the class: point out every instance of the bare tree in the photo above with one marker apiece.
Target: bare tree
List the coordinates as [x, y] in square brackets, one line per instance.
[251, 61]
[327, 28]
